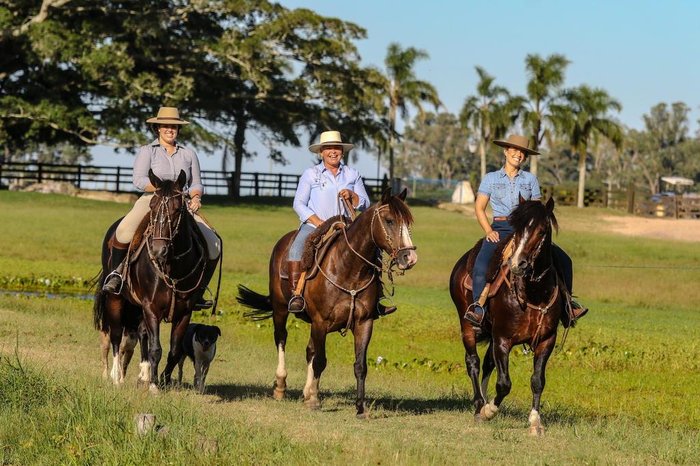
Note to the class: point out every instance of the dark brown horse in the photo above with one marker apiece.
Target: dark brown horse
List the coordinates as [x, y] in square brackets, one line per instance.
[163, 273]
[342, 294]
[525, 309]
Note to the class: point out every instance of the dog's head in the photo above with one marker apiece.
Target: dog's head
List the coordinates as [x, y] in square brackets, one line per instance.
[206, 335]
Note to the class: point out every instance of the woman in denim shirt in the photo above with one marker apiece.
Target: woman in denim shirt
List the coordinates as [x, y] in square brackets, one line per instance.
[503, 189]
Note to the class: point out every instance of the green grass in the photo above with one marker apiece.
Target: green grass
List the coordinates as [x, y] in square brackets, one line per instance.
[622, 390]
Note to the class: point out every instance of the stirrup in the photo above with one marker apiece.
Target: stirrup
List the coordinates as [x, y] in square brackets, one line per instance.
[203, 304]
[295, 299]
[111, 289]
[384, 310]
[473, 317]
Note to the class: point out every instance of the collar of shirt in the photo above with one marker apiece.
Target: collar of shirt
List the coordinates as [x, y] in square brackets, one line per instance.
[502, 172]
[322, 168]
[156, 142]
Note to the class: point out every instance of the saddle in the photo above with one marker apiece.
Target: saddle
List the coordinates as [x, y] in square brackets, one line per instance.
[315, 249]
[497, 277]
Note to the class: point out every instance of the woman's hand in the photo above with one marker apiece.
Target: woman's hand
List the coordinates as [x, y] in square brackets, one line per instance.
[349, 195]
[195, 203]
[492, 236]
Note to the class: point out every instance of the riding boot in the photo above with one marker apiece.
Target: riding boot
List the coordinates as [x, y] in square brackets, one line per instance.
[209, 269]
[113, 282]
[383, 310]
[577, 311]
[475, 314]
[296, 303]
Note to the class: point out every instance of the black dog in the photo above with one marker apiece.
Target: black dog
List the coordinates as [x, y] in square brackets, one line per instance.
[199, 344]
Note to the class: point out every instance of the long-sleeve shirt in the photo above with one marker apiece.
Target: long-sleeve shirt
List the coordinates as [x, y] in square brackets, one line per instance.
[504, 192]
[166, 167]
[317, 192]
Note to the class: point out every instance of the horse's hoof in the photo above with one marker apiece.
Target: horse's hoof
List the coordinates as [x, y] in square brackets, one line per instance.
[153, 389]
[278, 393]
[313, 404]
[364, 415]
[536, 430]
[489, 411]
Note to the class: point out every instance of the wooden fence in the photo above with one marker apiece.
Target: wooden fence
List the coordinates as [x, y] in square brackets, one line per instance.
[119, 179]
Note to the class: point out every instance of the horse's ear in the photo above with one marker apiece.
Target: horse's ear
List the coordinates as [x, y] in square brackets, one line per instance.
[386, 195]
[155, 181]
[521, 199]
[550, 204]
[402, 196]
[218, 330]
[181, 179]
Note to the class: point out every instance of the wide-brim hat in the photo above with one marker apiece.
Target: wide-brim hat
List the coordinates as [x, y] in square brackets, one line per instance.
[168, 116]
[330, 138]
[519, 142]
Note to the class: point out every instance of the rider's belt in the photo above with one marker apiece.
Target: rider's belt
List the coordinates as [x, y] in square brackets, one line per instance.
[500, 219]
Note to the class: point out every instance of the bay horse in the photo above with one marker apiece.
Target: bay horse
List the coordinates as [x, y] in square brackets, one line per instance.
[164, 269]
[342, 294]
[525, 309]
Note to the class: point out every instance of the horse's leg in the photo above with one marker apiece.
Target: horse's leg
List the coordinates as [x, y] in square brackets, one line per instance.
[501, 352]
[310, 352]
[104, 353]
[177, 332]
[317, 364]
[144, 366]
[126, 350]
[279, 318]
[155, 351]
[471, 361]
[487, 370]
[362, 333]
[542, 352]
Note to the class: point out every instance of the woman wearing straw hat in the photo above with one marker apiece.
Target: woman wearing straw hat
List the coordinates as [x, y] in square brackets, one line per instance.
[503, 189]
[316, 200]
[166, 157]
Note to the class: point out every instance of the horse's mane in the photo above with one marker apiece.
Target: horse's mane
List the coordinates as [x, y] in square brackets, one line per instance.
[307, 257]
[529, 211]
[400, 209]
[167, 188]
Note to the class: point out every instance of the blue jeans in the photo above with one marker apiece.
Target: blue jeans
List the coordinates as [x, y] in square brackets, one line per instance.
[562, 261]
[296, 250]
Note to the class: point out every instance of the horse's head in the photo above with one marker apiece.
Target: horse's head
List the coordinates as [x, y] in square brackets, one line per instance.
[532, 224]
[167, 208]
[391, 220]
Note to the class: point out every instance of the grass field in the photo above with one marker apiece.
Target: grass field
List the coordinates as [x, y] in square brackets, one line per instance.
[624, 389]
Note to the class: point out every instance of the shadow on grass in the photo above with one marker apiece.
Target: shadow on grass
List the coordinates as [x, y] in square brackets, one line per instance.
[340, 399]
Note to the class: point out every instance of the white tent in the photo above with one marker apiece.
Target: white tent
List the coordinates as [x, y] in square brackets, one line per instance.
[677, 180]
[463, 193]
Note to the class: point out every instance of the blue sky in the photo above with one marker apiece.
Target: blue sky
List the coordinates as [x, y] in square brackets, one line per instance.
[641, 52]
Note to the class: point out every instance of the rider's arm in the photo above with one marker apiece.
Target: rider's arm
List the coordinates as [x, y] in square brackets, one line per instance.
[142, 164]
[302, 197]
[482, 200]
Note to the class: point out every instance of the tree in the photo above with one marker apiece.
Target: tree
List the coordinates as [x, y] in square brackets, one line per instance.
[583, 117]
[489, 113]
[434, 146]
[545, 78]
[404, 89]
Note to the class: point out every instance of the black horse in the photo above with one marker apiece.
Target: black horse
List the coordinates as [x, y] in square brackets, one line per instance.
[342, 294]
[525, 309]
[165, 268]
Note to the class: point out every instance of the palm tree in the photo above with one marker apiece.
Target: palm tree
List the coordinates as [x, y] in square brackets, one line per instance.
[584, 117]
[546, 77]
[404, 89]
[489, 113]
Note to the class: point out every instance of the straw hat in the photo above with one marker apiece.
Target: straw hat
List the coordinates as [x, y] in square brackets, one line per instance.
[519, 142]
[168, 116]
[330, 138]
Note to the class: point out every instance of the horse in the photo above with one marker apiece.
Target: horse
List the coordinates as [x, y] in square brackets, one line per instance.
[341, 294]
[525, 309]
[164, 269]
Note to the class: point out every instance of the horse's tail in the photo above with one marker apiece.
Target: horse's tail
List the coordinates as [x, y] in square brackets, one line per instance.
[98, 306]
[261, 305]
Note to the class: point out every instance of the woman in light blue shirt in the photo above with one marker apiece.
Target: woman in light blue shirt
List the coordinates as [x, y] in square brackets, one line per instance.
[503, 189]
[166, 157]
[317, 199]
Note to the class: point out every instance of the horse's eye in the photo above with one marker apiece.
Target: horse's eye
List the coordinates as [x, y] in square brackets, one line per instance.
[389, 221]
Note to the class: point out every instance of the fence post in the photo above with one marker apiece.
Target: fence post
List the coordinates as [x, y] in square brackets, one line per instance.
[119, 174]
[80, 173]
[630, 198]
[38, 173]
[279, 185]
[256, 184]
